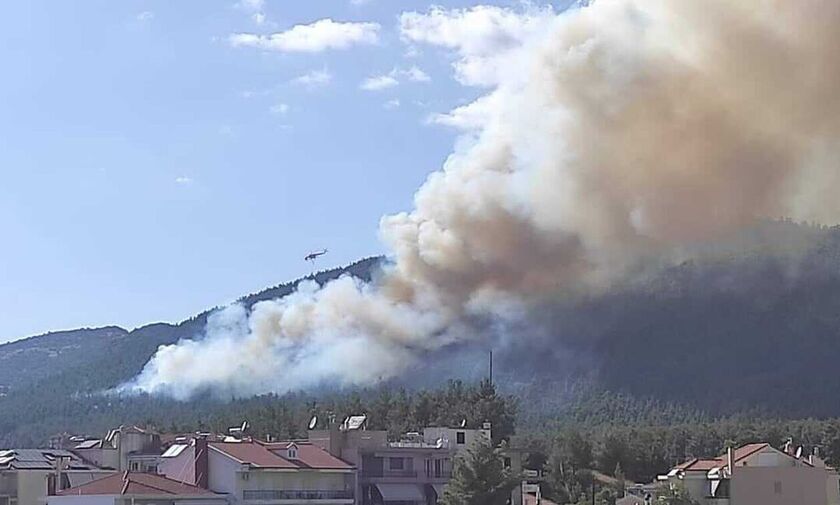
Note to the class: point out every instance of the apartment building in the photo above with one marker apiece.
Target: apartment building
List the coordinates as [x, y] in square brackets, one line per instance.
[28, 476]
[259, 473]
[411, 471]
[127, 448]
[758, 474]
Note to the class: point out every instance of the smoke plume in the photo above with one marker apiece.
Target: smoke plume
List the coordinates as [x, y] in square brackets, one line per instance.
[609, 134]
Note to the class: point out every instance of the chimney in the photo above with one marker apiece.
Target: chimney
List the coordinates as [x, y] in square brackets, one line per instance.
[729, 460]
[202, 463]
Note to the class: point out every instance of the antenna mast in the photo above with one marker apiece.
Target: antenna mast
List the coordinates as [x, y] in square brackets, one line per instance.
[491, 367]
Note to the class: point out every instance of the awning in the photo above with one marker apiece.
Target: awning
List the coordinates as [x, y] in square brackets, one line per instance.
[401, 492]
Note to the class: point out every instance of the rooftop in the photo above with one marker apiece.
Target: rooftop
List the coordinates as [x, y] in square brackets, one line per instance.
[41, 459]
[272, 455]
[739, 454]
[128, 483]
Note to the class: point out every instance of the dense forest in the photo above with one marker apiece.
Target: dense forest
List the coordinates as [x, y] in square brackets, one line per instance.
[606, 436]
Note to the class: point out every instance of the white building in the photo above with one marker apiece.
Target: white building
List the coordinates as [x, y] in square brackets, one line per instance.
[411, 471]
[127, 448]
[757, 474]
[251, 472]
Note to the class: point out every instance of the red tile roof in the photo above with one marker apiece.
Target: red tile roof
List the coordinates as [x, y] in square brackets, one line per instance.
[704, 465]
[744, 452]
[272, 455]
[128, 483]
[252, 453]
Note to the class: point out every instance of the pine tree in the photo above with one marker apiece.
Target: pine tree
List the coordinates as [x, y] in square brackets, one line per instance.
[479, 478]
[676, 495]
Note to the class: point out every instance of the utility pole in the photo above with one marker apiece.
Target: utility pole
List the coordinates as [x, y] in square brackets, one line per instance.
[491, 367]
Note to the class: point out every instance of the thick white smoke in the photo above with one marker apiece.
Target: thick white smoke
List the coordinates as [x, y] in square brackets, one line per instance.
[609, 133]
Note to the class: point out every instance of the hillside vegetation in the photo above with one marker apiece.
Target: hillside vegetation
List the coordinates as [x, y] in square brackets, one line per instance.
[750, 329]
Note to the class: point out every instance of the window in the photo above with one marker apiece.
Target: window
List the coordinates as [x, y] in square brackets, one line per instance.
[135, 466]
[461, 438]
[397, 464]
[777, 487]
[507, 463]
[292, 452]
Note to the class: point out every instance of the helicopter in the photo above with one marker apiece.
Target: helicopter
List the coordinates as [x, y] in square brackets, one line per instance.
[314, 255]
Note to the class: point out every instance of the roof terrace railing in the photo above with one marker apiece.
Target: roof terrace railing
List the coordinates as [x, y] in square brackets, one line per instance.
[276, 494]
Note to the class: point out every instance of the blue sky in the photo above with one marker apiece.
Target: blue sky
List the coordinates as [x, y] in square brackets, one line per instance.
[151, 167]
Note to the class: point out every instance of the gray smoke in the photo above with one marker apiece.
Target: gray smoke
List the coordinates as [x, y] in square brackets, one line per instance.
[612, 133]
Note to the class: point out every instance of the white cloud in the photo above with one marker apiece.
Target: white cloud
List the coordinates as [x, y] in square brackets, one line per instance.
[253, 5]
[314, 78]
[255, 8]
[145, 16]
[392, 104]
[392, 78]
[183, 180]
[312, 38]
[411, 51]
[279, 109]
[379, 82]
[416, 75]
[484, 38]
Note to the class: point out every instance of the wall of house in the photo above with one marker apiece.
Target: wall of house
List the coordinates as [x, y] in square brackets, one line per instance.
[81, 500]
[132, 442]
[8, 483]
[223, 474]
[271, 480]
[769, 457]
[181, 467]
[32, 487]
[779, 486]
[432, 435]
[103, 457]
[832, 487]
[32, 484]
[695, 484]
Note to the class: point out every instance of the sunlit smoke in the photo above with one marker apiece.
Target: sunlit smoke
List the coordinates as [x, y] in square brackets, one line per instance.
[609, 133]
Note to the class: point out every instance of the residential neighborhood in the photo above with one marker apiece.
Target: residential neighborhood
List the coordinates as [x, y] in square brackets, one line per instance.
[345, 463]
[758, 474]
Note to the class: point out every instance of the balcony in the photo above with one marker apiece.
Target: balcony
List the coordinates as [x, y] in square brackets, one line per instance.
[394, 474]
[273, 494]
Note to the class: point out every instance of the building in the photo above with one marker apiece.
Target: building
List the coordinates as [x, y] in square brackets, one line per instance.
[252, 472]
[411, 471]
[129, 488]
[127, 448]
[757, 474]
[27, 476]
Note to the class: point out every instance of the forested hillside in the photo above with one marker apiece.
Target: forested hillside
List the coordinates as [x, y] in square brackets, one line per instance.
[749, 330]
[734, 333]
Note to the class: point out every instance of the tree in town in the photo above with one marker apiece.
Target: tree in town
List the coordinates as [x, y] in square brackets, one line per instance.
[675, 495]
[479, 478]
